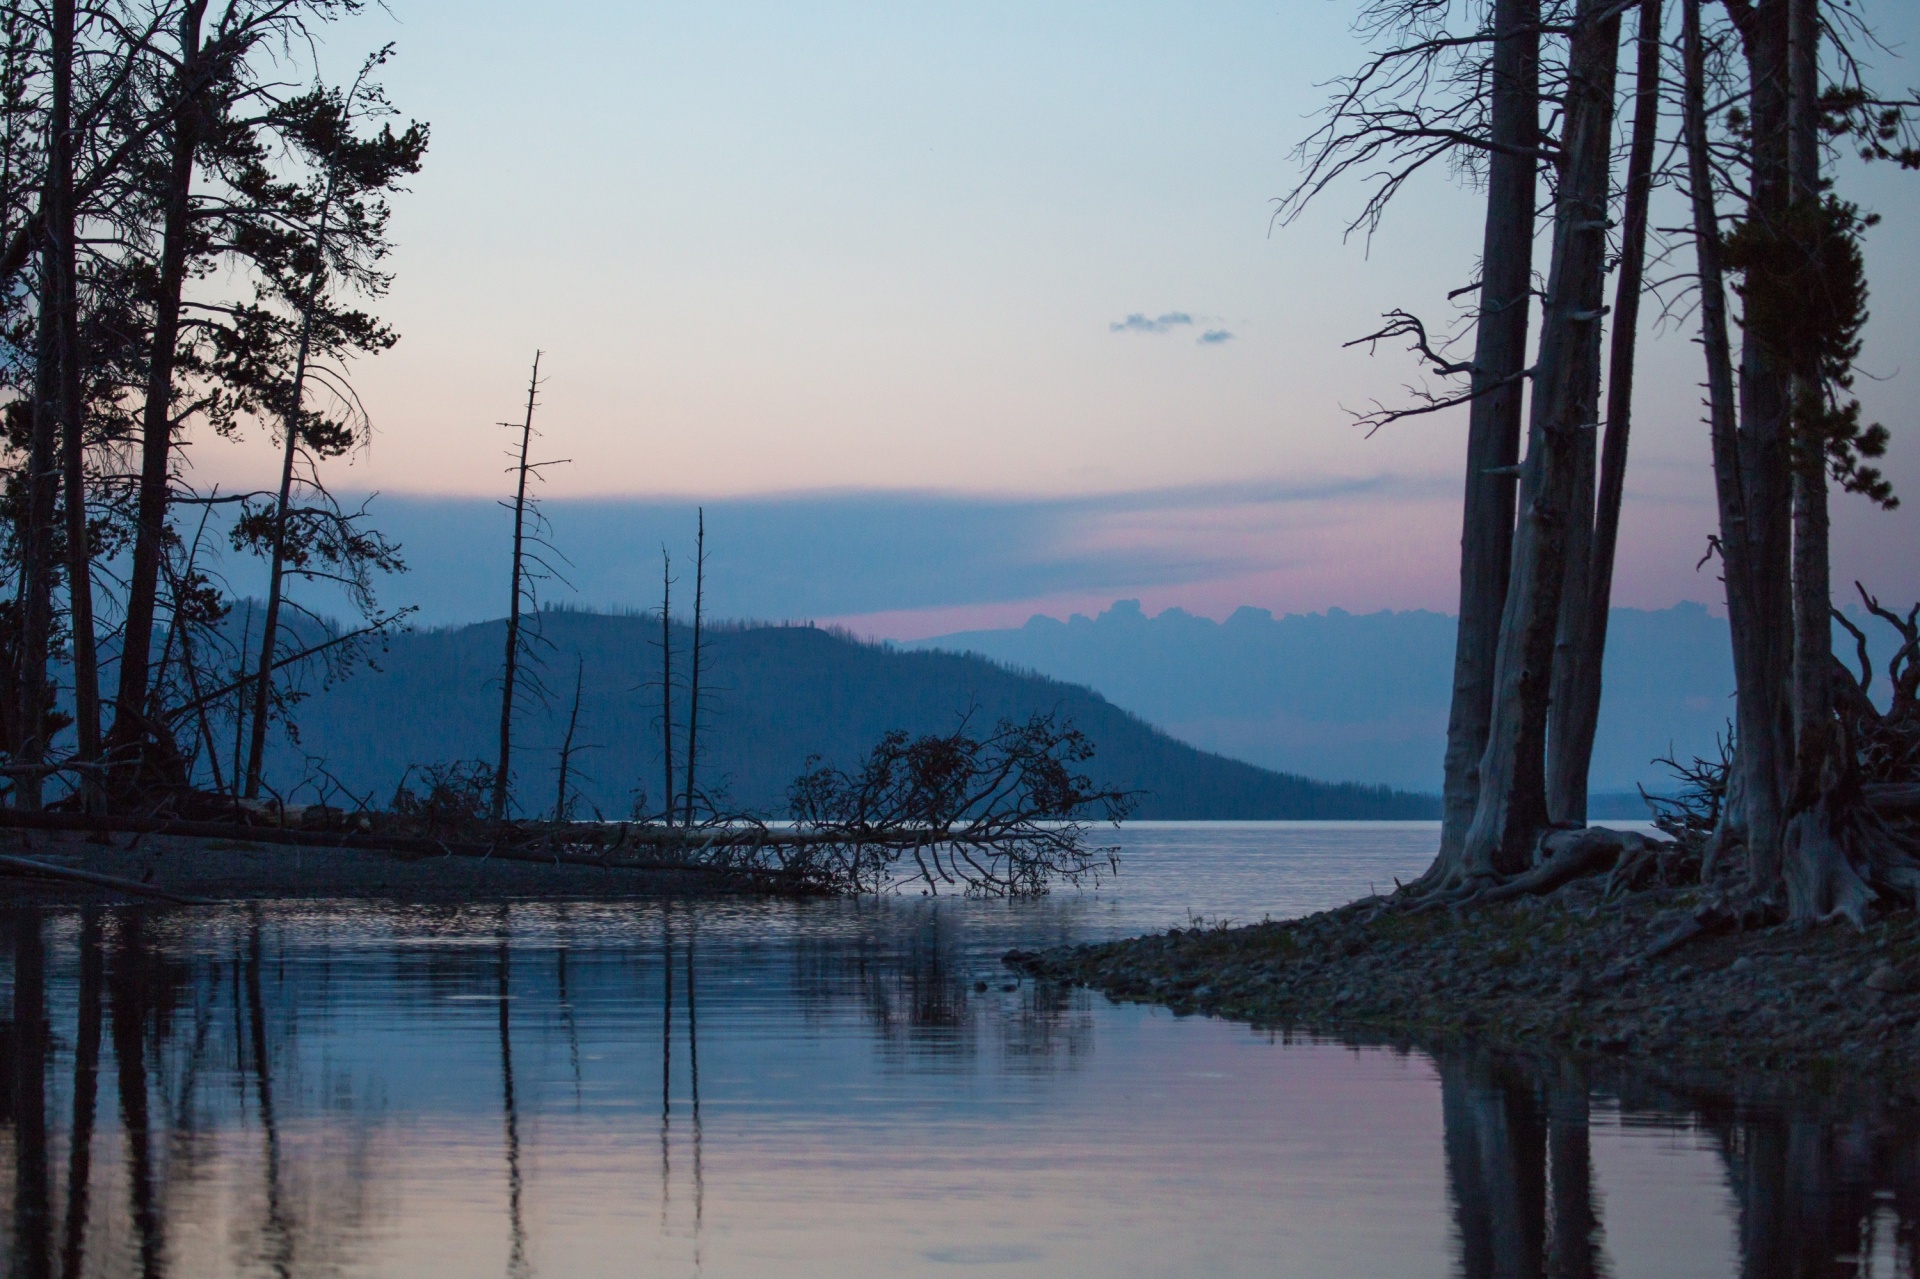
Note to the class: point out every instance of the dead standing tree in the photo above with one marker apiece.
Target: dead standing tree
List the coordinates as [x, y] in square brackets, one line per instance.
[695, 664]
[1511, 813]
[666, 683]
[526, 567]
[1583, 632]
[1468, 98]
[563, 802]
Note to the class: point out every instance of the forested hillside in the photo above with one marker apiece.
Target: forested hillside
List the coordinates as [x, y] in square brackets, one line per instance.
[771, 696]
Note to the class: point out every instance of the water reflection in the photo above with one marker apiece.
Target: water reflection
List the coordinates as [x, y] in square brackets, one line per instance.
[305, 1093]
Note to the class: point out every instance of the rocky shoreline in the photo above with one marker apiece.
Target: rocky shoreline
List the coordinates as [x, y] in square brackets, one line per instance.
[1556, 975]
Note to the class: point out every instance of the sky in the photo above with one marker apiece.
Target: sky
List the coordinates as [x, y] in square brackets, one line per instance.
[953, 313]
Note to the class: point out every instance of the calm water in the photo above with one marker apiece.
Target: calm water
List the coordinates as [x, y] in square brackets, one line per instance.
[847, 1089]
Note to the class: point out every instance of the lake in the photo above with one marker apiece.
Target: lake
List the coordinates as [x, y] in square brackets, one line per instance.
[849, 1089]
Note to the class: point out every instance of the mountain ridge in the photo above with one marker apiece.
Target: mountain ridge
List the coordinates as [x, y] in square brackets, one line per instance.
[775, 695]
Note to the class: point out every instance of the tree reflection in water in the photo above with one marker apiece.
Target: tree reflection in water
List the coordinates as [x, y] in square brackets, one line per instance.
[1824, 1187]
[213, 1031]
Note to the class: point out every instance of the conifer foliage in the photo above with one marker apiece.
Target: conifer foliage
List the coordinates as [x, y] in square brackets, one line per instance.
[193, 225]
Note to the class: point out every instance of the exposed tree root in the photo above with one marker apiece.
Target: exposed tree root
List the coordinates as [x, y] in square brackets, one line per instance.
[1561, 856]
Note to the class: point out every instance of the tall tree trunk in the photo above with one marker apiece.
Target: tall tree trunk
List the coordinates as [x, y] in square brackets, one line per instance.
[1765, 399]
[1756, 741]
[130, 724]
[262, 692]
[1576, 702]
[1819, 878]
[63, 251]
[1812, 589]
[666, 679]
[1565, 784]
[37, 570]
[693, 668]
[1512, 809]
[1493, 424]
[510, 669]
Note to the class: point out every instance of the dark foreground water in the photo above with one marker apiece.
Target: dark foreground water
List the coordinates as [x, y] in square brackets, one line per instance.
[847, 1089]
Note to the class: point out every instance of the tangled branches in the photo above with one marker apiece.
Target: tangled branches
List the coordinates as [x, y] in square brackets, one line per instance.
[999, 815]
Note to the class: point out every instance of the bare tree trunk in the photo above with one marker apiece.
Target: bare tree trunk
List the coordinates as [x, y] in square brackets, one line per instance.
[511, 666]
[1576, 703]
[1746, 814]
[1493, 430]
[1819, 878]
[1812, 588]
[276, 586]
[1565, 783]
[693, 676]
[156, 419]
[666, 679]
[566, 744]
[37, 567]
[64, 255]
[1765, 399]
[1512, 809]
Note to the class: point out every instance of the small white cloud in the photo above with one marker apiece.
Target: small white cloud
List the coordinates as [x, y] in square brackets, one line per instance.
[1140, 322]
[1214, 337]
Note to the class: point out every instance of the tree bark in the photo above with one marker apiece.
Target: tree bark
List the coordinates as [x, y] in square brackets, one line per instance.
[1576, 705]
[63, 252]
[1820, 880]
[1493, 424]
[130, 726]
[1765, 397]
[1512, 809]
[1812, 587]
[37, 564]
[1757, 815]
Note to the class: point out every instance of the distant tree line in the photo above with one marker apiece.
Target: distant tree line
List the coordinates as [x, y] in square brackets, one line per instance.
[1742, 113]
